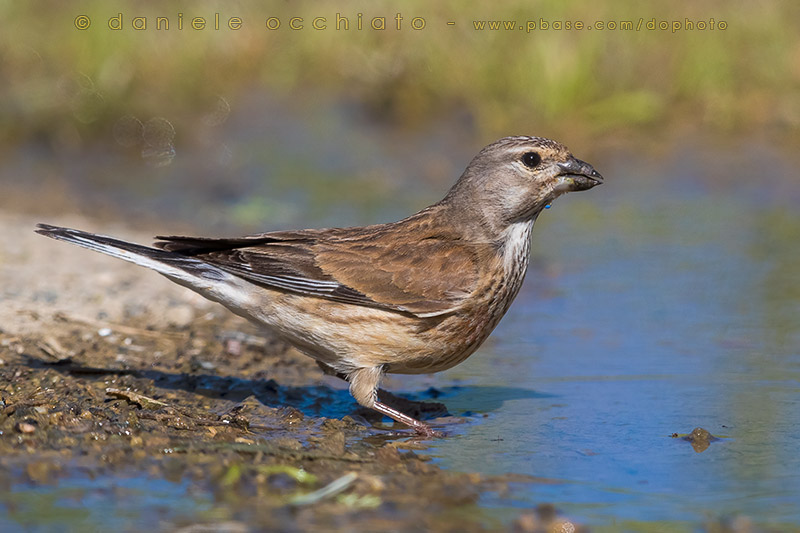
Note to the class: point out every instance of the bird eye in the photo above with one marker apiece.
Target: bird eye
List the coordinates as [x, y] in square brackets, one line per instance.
[531, 159]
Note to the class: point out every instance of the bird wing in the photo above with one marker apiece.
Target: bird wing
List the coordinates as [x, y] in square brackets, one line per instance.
[373, 266]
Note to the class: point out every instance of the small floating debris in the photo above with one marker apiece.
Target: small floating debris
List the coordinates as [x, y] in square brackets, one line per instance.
[333, 488]
[700, 438]
[139, 399]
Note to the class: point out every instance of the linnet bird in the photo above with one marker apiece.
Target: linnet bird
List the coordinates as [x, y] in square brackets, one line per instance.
[415, 296]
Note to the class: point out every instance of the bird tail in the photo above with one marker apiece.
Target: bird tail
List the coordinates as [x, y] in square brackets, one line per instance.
[187, 271]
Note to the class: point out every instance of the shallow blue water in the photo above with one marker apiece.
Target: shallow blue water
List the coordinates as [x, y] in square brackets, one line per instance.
[130, 503]
[656, 308]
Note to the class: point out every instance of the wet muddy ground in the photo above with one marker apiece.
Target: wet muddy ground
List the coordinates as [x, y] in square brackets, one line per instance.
[125, 398]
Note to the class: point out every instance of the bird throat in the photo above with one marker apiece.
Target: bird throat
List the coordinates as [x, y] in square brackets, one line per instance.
[516, 253]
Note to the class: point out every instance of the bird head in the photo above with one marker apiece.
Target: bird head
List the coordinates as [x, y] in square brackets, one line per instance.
[513, 179]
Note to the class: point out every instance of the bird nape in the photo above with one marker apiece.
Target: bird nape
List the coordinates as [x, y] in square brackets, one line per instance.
[415, 296]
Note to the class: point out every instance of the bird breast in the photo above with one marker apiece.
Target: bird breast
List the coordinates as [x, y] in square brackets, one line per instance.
[456, 337]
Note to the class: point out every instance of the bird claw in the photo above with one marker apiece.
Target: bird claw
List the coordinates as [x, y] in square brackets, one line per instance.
[428, 433]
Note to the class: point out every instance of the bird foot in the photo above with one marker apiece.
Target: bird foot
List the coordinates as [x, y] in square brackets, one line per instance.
[420, 428]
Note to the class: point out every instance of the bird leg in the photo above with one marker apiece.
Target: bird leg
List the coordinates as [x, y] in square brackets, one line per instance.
[421, 428]
[364, 388]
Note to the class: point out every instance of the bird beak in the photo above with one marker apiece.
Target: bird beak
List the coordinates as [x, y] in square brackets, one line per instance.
[577, 175]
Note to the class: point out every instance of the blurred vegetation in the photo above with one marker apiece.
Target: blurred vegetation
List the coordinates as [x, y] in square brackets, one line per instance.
[67, 85]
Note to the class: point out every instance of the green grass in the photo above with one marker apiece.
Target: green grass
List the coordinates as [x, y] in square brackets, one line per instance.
[61, 82]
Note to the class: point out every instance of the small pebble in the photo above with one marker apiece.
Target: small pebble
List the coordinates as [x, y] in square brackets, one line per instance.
[25, 427]
[233, 347]
[180, 316]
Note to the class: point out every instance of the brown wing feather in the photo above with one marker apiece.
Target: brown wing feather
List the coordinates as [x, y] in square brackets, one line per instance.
[384, 266]
[405, 275]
